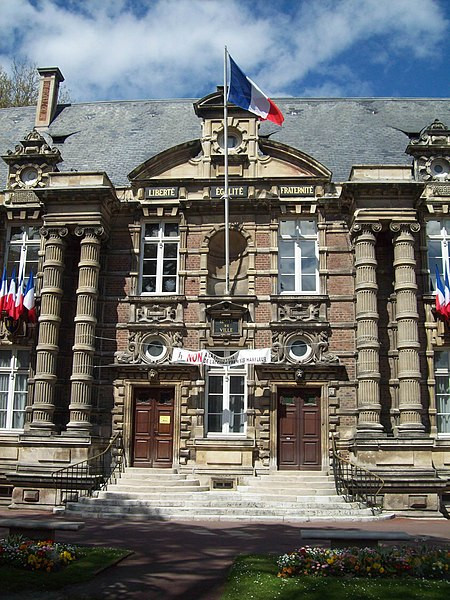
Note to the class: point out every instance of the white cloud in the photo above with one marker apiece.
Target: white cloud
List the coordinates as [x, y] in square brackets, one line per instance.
[171, 48]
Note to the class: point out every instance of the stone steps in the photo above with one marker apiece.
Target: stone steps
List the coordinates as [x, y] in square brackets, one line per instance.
[165, 495]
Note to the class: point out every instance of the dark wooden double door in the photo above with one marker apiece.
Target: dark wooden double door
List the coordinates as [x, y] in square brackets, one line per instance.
[153, 427]
[299, 429]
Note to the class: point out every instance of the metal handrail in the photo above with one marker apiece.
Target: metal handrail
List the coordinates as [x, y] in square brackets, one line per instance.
[356, 483]
[85, 477]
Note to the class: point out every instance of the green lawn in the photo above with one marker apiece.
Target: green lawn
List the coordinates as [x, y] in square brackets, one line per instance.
[86, 567]
[255, 578]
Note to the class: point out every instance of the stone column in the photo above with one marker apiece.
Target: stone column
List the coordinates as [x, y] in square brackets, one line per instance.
[367, 344]
[85, 323]
[47, 348]
[407, 318]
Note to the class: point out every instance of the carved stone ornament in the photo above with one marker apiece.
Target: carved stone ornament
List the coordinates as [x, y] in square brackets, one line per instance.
[413, 227]
[31, 162]
[303, 347]
[155, 313]
[149, 347]
[298, 311]
[153, 375]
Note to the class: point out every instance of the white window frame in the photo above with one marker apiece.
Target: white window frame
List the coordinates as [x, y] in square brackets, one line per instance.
[226, 372]
[12, 371]
[160, 240]
[297, 239]
[24, 244]
[442, 373]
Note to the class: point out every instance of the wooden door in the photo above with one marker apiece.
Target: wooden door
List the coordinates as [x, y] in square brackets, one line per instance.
[299, 429]
[153, 427]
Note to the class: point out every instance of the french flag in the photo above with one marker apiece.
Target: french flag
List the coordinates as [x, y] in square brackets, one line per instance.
[29, 300]
[244, 92]
[441, 305]
[3, 291]
[18, 305]
[10, 305]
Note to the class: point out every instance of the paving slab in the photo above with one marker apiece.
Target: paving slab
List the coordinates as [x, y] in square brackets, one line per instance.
[186, 560]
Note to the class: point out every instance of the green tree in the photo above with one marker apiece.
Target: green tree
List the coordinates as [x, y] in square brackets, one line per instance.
[21, 87]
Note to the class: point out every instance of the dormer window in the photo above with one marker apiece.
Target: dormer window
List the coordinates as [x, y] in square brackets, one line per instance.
[440, 167]
[234, 140]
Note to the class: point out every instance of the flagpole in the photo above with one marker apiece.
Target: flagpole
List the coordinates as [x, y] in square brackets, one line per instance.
[225, 195]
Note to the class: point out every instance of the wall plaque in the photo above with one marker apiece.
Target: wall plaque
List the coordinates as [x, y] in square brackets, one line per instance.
[286, 191]
[234, 191]
[226, 326]
[164, 418]
[161, 192]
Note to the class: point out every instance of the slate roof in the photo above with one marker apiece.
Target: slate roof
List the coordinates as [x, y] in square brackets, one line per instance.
[116, 137]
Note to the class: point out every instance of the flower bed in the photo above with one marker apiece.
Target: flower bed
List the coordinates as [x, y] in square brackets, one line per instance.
[17, 551]
[424, 562]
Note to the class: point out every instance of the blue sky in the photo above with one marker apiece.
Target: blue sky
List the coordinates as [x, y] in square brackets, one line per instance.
[132, 49]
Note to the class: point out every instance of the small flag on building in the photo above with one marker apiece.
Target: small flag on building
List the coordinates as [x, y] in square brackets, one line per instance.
[29, 300]
[442, 296]
[10, 306]
[244, 92]
[3, 291]
[18, 305]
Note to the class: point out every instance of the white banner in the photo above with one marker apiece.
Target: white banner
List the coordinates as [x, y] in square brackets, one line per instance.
[205, 357]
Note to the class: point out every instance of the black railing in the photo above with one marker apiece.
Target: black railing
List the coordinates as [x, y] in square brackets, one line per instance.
[356, 483]
[87, 476]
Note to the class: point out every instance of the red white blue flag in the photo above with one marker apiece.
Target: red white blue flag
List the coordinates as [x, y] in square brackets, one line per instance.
[29, 300]
[442, 298]
[3, 291]
[10, 306]
[244, 92]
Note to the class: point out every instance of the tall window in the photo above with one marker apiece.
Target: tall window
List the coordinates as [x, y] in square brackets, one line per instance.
[298, 262]
[226, 398]
[442, 377]
[438, 239]
[14, 364]
[160, 258]
[24, 243]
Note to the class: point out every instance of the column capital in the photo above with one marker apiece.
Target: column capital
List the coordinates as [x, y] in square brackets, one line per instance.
[53, 232]
[361, 228]
[96, 231]
[396, 227]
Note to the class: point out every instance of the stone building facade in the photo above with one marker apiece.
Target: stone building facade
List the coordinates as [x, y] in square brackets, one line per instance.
[334, 237]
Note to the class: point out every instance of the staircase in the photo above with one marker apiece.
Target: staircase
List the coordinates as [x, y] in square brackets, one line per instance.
[166, 495]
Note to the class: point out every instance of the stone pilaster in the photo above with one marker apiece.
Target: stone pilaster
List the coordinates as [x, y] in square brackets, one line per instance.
[85, 322]
[47, 348]
[407, 317]
[367, 344]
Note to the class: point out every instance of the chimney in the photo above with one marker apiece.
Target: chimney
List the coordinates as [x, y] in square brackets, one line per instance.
[51, 77]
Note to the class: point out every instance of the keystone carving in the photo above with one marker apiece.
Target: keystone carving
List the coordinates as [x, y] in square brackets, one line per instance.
[300, 311]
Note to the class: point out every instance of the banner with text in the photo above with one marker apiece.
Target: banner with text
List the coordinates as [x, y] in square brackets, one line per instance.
[205, 357]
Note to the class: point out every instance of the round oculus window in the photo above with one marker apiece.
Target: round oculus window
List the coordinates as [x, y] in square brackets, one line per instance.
[154, 350]
[234, 140]
[299, 350]
[439, 167]
[29, 175]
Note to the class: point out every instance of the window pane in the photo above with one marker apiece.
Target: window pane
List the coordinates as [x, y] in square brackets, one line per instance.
[169, 284]
[149, 267]
[286, 249]
[308, 283]
[308, 227]
[150, 250]
[443, 423]
[18, 420]
[152, 230]
[33, 234]
[4, 399]
[308, 249]
[236, 385]
[287, 228]
[20, 401]
[287, 283]
[215, 404]
[237, 423]
[5, 359]
[170, 250]
[2, 419]
[287, 265]
[171, 230]
[170, 267]
[309, 266]
[215, 423]
[434, 251]
[441, 360]
[149, 284]
[215, 384]
[17, 234]
[433, 227]
[23, 359]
